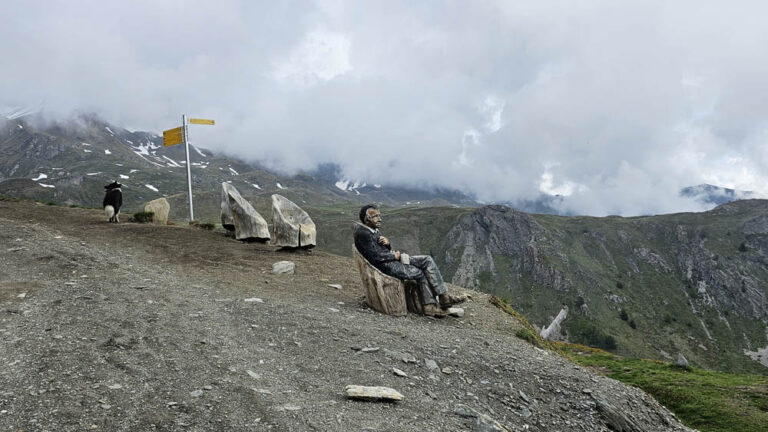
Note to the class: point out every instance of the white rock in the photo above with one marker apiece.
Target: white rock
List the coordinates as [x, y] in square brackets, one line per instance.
[254, 300]
[373, 393]
[160, 209]
[253, 374]
[681, 360]
[337, 286]
[456, 311]
[283, 267]
[196, 393]
[431, 364]
[554, 328]
[398, 372]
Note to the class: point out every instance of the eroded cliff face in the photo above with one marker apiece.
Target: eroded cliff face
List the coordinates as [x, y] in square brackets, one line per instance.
[498, 231]
[653, 286]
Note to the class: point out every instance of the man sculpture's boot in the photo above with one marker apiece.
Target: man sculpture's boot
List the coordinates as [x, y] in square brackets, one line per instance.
[447, 300]
[433, 310]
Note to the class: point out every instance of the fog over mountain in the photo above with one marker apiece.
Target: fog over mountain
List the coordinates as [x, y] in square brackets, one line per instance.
[615, 106]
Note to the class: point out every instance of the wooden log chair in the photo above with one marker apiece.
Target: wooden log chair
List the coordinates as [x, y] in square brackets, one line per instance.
[386, 294]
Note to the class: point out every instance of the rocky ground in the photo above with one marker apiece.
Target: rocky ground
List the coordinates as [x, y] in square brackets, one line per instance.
[136, 327]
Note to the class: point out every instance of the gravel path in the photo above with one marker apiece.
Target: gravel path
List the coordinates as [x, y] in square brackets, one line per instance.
[137, 327]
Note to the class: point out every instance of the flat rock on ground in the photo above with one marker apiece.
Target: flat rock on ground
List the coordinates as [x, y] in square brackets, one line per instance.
[145, 327]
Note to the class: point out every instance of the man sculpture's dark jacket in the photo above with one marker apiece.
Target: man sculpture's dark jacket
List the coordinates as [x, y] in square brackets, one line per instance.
[381, 257]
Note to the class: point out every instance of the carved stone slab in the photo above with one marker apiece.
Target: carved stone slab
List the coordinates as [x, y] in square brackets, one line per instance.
[235, 210]
[291, 226]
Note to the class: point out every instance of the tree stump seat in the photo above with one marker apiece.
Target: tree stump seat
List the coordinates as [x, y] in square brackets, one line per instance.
[386, 294]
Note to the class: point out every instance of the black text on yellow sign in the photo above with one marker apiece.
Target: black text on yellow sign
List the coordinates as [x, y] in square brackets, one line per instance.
[201, 121]
[173, 136]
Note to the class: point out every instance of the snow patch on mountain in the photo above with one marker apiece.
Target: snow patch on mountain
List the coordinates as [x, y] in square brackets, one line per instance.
[349, 186]
[40, 177]
[125, 177]
[46, 185]
[198, 151]
[279, 186]
[109, 130]
[107, 151]
[150, 187]
[171, 163]
[233, 171]
[142, 150]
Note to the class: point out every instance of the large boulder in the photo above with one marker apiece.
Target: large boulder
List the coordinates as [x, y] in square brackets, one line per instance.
[160, 208]
[239, 215]
[292, 226]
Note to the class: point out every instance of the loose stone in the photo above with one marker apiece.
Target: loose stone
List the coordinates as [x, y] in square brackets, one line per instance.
[373, 393]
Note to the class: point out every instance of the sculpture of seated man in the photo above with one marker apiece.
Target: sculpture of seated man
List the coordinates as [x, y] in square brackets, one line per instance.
[420, 268]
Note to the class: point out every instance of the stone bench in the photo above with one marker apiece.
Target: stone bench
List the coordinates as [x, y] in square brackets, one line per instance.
[387, 294]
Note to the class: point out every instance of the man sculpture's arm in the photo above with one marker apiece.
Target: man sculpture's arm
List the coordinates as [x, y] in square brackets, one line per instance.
[370, 249]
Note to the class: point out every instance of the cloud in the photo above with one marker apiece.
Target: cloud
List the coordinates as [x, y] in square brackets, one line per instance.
[617, 105]
[321, 56]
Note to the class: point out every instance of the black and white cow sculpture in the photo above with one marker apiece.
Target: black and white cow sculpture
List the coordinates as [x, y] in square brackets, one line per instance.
[113, 199]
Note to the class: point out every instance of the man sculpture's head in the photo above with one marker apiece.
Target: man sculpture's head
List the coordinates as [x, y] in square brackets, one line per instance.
[370, 216]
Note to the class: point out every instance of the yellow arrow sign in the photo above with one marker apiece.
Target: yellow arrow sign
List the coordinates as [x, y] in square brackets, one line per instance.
[202, 121]
[173, 136]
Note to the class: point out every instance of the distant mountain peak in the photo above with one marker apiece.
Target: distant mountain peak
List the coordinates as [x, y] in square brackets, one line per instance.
[716, 195]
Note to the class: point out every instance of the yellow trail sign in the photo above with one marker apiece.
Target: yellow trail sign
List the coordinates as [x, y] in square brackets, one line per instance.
[173, 136]
[202, 121]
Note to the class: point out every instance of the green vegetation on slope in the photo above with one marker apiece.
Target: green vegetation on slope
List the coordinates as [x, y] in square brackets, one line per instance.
[707, 400]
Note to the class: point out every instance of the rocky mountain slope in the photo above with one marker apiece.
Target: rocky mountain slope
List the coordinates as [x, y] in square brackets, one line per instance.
[691, 283]
[69, 162]
[146, 327]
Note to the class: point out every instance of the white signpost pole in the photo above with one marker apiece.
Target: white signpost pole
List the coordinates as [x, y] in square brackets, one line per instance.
[185, 130]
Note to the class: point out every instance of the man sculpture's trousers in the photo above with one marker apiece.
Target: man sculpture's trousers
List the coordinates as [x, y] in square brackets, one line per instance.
[424, 271]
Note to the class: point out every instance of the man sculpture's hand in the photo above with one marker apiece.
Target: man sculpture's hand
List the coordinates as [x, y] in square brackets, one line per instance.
[383, 241]
[397, 255]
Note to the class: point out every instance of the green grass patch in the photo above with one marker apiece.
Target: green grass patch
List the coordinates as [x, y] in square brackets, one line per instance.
[143, 217]
[203, 225]
[706, 400]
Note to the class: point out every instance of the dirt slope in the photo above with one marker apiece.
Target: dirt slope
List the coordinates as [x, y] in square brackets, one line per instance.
[136, 327]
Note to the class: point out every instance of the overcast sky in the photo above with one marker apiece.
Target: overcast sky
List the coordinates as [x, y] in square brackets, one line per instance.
[614, 104]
